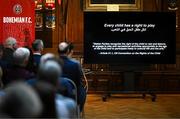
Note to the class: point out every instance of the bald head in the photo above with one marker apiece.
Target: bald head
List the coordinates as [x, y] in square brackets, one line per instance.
[63, 47]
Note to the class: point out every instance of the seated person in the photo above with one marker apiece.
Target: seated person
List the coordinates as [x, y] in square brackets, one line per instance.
[20, 101]
[10, 46]
[18, 71]
[49, 72]
[65, 87]
[37, 47]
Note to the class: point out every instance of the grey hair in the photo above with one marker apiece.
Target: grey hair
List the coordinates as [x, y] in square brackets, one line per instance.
[46, 56]
[37, 45]
[21, 55]
[10, 41]
[50, 71]
[21, 100]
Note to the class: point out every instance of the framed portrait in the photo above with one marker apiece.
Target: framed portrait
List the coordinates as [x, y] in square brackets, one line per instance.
[121, 5]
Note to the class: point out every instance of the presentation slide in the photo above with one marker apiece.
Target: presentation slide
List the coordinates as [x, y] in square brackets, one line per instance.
[129, 37]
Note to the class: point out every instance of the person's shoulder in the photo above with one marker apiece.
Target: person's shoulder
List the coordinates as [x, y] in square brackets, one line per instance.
[37, 55]
[74, 61]
[8, 50]
[65, 106]
[65, 100]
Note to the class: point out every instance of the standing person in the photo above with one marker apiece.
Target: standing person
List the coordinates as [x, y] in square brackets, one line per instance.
[72, 70]
[38, 47]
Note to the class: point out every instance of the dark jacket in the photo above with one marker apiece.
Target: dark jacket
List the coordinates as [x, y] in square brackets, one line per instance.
[16, 73]
[72, 70]
[8, 56]
[36, 58]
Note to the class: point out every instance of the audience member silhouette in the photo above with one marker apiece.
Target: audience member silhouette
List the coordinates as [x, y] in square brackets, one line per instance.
[18, 71]
[72, 70]
[30, 66]
[50, 72]
[47, 94]
[20, 101]
[65, 88]
[9, 46]
[37, 47]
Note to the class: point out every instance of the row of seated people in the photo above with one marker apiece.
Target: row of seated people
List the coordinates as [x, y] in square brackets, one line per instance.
[51, 77]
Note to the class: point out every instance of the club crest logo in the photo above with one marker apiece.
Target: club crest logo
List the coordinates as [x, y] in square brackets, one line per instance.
[17, 9]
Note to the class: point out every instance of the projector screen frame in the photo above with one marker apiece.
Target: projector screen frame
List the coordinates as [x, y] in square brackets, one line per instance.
[89, 6]
[91, 41]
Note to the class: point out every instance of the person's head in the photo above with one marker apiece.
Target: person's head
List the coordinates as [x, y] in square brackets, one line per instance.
[10, 42]
[63, 48]
[21, 56]
[46, 57]
[50, 71]
[20, 100]
[38, 45]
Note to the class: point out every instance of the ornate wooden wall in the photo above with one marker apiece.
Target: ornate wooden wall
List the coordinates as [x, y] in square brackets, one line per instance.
[72, 31]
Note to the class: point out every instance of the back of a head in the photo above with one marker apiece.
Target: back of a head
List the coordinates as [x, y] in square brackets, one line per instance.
[20, 100]
[21, 55]
[10, 42]
[46, 57]
[37, 45]
[50, 71]
[63, 47]
[71, 46]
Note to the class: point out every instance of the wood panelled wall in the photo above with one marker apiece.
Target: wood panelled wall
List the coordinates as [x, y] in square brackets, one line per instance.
[72, 31]
[69, 26]
[75, 24]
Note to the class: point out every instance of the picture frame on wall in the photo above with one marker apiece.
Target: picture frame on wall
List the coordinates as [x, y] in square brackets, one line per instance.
[38, 21]
[121, 5]
[50, 20]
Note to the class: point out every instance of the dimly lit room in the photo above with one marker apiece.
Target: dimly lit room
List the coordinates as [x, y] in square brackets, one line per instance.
[89, 59]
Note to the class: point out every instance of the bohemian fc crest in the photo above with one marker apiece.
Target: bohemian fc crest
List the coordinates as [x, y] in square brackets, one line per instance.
[17, 9]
